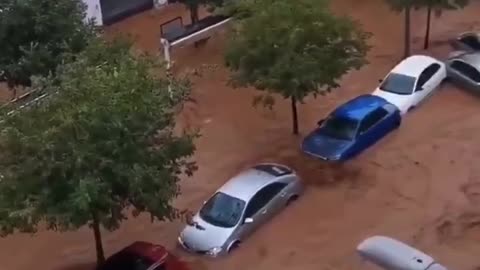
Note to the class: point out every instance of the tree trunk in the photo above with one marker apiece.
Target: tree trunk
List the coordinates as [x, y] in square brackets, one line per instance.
[427, 32]
[98, 239]
[194, 14]
[294, 115]
[407, 31]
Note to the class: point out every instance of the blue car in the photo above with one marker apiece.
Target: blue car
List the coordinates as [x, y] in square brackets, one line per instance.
[352, 128]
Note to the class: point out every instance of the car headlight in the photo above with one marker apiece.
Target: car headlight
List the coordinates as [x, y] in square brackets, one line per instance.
[214, 251]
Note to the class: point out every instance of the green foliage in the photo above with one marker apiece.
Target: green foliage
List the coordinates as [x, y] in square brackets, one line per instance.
[239, 9]
[103, 141]
[293, 48]
[34, 35]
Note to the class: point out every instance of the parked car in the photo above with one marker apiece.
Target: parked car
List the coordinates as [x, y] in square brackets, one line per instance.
[468, 41]
[351, 128]
[412, 81]
[143, 256]
[391, 254]
[464, 69]
[239, 207]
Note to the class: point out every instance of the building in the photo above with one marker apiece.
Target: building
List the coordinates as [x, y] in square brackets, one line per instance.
[106, 12]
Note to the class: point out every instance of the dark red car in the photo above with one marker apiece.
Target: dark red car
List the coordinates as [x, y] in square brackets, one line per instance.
[143, 256]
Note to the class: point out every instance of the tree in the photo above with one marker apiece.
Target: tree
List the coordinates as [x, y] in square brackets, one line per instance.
[34, 34]
[193, 6]
[438, 6]
[405, 6]
[100, 144]
[293, 48]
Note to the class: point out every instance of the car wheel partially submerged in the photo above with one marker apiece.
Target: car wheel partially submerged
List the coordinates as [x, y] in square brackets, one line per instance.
[292, 199]
[234, 246]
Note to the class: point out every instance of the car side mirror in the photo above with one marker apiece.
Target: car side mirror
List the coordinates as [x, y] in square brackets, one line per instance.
[248, 220]
[320, 122]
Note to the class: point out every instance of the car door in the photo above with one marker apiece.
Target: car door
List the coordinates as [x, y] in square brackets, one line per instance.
[372, 128]
[428, 80]
[464, 74]
[278, 193]
[262, 206]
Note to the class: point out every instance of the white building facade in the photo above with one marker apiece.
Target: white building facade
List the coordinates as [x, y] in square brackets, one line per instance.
[94, 11]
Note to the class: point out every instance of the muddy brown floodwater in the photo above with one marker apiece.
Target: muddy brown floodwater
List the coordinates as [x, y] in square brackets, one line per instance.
[421, 184]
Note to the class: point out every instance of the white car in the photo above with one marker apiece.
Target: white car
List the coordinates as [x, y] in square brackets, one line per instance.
[391, 254]
[412, 81]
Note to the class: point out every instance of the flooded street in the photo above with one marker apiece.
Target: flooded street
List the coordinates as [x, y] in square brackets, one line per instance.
[421, 184]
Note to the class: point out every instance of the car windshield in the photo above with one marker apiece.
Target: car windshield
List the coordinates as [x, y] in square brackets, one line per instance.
[398, 84]
[126, 260]
[222, 210]
[340, 128]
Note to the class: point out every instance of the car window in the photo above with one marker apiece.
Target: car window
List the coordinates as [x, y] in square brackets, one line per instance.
[222, 210]
[471, 41]
[372, 119]
[398, 84]
[341, 128]
[262, 197]
[466, 69]
[426, 75]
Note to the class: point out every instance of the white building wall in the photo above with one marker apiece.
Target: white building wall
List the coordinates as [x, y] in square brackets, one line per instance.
[94, 10]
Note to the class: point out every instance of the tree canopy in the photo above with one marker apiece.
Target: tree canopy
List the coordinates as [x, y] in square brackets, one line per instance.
[293, 48]
[34, 35]
[101, 142]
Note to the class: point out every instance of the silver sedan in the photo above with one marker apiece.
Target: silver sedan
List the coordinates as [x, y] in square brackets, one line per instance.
[468, 41]
[239, 207]
[463, 68]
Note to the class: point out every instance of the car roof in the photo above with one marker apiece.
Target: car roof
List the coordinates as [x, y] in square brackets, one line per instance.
[147, 250]
[245, 184]
[469, 33]
[414, 65]
[471, 58]
[393, 254]
[359, 107]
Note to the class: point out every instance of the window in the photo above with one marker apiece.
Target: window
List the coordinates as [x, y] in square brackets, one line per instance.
[466, 70]
[398, 84]
[222, 210]
[275, 170]
[471, 41]
[341, 128]
[426, 75]
[372, 119]
[263, 197]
